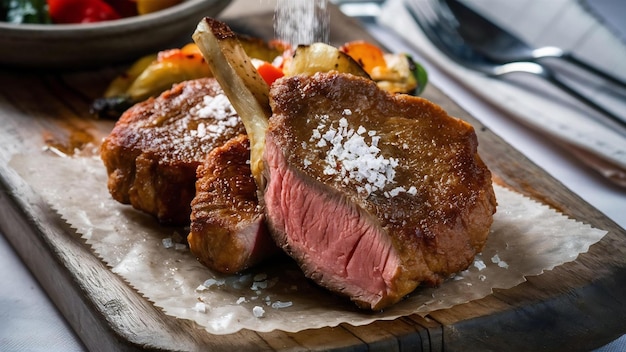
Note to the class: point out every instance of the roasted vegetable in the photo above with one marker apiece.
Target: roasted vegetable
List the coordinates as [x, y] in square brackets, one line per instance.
[151, 75]
[171, 66]
[260, 49]
[121, 84]
[320, 57]
[395, 73]
[366, 54]
[116, 98]
[400, 75]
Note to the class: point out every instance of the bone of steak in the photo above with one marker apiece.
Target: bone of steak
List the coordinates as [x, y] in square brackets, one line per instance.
[228, 231]
[372, 194]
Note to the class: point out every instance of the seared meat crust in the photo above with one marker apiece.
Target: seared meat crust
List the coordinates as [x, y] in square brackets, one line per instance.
[152, 153]
[372, 194]
[228, 231]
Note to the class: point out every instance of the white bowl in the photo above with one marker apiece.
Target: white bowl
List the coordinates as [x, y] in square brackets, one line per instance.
[108, 42]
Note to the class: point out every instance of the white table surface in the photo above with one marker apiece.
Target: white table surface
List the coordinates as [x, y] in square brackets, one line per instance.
[30, 322]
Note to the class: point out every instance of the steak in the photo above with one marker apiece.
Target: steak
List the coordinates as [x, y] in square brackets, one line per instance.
[152, 153]
[227, 231]
[372, 194]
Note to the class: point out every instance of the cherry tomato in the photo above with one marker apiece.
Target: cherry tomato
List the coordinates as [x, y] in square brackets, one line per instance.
[80, 11]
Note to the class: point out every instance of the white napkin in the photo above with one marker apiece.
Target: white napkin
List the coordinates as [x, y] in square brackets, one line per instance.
[527, 98]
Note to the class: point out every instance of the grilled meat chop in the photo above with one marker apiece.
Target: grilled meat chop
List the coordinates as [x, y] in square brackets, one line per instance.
[152, 153]
[372, 194]
[228, 231]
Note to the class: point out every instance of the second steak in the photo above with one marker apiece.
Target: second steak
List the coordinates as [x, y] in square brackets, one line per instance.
[372, 194]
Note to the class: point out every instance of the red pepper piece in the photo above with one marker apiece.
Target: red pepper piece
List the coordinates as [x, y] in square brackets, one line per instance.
[81, 11]
[269, 72]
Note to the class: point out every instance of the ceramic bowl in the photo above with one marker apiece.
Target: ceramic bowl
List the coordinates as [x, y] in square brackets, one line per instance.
[71, 46]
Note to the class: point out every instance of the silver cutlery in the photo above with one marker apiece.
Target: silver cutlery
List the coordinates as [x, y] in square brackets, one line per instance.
[502, 46]
[440, 25]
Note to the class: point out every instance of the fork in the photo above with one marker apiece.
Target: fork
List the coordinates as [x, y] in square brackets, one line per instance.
[501, 46]
[438, 23]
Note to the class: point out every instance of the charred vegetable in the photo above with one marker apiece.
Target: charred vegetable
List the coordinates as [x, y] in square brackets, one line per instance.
[395, 73]
[319, 57]
[153, 74]
[148, 77]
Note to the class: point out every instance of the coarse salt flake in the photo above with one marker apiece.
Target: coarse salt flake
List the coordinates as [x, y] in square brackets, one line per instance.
[501, 263]
[213, 282]
[216, 106]
[167, 242]
[479, 264]
[258, 311]
[201, 130]
[353, 157]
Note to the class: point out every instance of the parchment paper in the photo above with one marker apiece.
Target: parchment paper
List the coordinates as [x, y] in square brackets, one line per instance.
[527, 238]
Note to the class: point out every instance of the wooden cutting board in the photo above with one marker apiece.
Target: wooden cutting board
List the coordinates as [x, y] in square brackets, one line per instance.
[576, 306]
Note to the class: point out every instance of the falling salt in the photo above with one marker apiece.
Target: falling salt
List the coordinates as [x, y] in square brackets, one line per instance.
[241, 300]
[302, 21]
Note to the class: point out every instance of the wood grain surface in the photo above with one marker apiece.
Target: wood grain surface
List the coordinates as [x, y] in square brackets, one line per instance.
[576, 306]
